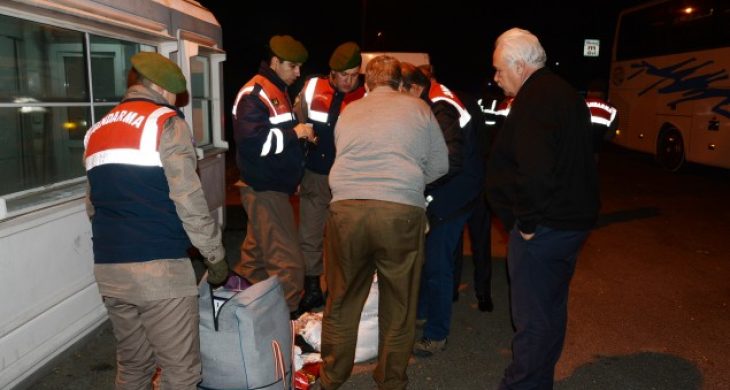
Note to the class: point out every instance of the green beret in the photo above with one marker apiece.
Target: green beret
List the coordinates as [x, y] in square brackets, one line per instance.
[346, 56]
[288, 48]
[160, 70]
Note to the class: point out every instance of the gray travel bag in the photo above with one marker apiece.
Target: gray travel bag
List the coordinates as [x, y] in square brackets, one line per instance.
[246, 337]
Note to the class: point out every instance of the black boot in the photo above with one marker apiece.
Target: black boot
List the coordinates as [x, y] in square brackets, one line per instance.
[313, 296]
[485, 303]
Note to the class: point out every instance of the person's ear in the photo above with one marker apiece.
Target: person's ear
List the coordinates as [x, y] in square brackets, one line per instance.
[520, 67]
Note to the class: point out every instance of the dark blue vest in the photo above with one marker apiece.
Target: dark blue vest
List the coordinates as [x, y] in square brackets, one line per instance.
[134, 218]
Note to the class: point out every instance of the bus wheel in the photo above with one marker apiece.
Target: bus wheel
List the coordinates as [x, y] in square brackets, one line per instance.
[670, 149]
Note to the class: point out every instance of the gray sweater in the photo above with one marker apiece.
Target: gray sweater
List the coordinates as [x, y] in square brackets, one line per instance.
[389, 146]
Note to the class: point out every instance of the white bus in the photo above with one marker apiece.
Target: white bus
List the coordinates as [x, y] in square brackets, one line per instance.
[63, 65]
[670, 80]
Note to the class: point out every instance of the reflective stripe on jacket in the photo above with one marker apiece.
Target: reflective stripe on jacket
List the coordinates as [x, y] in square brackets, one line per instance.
[269, 154]
[319, 96]
[134, 218]
[439, 92]
[602, 112]
[280, 110]
[324, 104]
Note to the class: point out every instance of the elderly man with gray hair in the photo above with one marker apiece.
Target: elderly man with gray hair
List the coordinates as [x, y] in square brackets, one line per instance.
[389, 146]
[543, 184]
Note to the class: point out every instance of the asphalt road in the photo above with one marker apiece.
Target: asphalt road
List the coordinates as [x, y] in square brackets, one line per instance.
[648, 304]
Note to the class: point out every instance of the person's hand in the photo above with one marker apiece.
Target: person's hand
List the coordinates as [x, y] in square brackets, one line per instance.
[527, 236]
[217, 271]
[306, 131]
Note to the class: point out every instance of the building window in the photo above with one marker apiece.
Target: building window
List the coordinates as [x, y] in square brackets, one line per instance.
[201, 99]
[46, 104]
[110, 63]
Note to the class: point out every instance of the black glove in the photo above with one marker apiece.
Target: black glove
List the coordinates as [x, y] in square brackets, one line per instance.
[217, 271]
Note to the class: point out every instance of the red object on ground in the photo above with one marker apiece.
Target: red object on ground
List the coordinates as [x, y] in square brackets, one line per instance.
[312, 368]
[302, 380]
[306, 377]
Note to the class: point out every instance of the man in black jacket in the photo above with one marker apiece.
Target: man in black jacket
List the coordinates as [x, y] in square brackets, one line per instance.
[544, 185]
[450, 200]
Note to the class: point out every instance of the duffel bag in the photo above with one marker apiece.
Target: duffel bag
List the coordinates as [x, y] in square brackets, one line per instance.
[246, 337]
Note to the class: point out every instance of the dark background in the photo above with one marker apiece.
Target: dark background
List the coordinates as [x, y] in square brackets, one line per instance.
[458, 35]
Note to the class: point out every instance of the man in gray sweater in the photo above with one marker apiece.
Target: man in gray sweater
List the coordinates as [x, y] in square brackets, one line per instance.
[389, 146]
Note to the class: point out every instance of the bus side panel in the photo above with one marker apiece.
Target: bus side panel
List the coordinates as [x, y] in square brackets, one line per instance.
[690, 85]
[50, 298]
[710, 139]
[623, 133]
[637, 121]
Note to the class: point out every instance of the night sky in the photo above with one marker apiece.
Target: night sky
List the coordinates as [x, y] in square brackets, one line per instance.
[458, 35]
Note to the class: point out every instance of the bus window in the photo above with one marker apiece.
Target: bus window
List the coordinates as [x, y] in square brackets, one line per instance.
[671, 27]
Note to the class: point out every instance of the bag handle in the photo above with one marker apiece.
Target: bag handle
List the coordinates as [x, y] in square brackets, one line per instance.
[212, 305]
[293, 352]
[279, 366]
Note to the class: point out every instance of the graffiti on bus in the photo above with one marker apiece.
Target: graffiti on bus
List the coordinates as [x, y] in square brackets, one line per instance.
[689, 78]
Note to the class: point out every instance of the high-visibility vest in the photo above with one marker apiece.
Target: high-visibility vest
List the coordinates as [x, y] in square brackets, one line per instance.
[439, 92]
[280, 110]
[318, 93]
[602, 112]
[128, 134]
[134, 218]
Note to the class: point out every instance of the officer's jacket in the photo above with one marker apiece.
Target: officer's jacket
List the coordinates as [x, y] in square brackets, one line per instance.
[323, 105]
[269, 154]
[439, 92]
[456, 192]
[134, 218]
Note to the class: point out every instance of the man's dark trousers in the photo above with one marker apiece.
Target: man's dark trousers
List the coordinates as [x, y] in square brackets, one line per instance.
[437, 279]
[480, 234]
[540, 271]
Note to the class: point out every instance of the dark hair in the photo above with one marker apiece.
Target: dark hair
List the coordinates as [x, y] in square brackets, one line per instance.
[134, 77]
[269, 54]
[412, 76]
[428, 70]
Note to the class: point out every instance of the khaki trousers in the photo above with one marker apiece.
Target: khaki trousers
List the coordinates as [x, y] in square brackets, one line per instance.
[364, 236]
[155, 333]
[314, 199]
[271, 246]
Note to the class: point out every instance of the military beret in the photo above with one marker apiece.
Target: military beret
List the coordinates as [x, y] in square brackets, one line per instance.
[160, 70]
[346, 56]
[288, 48]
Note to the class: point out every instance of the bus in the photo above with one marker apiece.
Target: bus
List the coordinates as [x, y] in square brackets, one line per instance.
[63, 66]
[670, 81]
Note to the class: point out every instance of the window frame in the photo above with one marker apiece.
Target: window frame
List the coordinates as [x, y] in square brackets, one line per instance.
[192, 45]
[19, 203]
